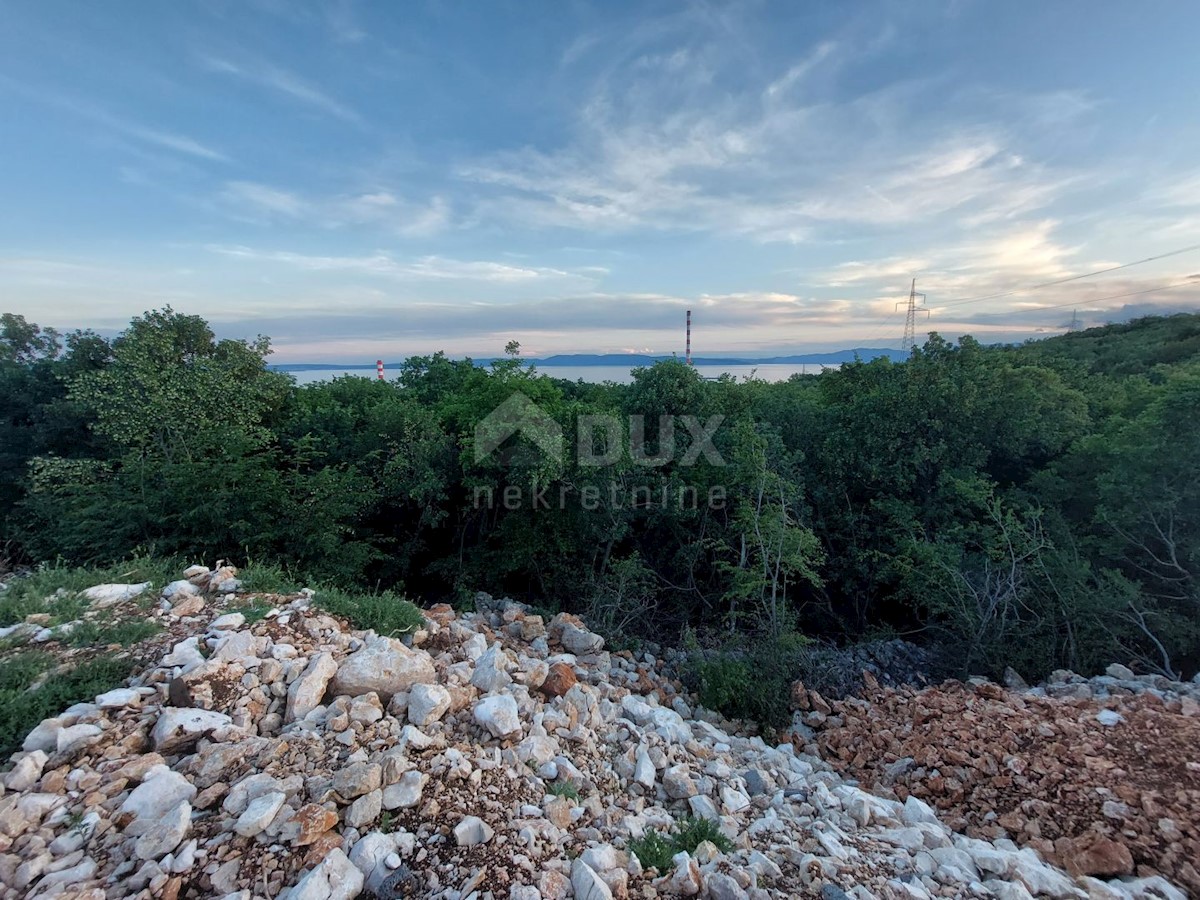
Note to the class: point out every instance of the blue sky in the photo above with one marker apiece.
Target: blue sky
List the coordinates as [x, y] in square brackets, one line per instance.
[375, 179]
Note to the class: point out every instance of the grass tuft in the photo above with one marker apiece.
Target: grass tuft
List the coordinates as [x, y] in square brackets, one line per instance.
[386, 613]
[563, 789]
[655, 850]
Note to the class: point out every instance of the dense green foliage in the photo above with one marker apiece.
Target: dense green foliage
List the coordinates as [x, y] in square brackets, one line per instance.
[1032, 506]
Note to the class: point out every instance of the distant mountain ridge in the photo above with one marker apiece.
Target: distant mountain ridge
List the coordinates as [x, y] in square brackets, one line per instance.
[832, 358]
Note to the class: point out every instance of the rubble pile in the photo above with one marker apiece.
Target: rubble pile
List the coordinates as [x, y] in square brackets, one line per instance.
[1100, 776]
[484, 755]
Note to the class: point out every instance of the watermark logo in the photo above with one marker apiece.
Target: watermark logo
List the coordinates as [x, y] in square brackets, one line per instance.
[518, 415]
[600, 439]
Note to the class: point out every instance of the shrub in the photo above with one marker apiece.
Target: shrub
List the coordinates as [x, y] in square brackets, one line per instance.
[752, 682]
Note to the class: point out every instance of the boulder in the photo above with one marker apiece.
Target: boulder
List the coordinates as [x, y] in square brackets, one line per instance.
[471, 831]
[499, 715]
[179, 728]
[104, 595]
[427, 703]
[385, 666]
[336, 878]
[308, 690]
[560, 679]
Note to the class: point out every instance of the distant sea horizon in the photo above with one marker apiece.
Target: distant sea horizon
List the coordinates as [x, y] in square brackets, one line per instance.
[618, 367]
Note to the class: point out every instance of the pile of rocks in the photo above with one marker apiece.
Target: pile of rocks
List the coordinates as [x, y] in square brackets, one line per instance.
[1099, 775]
[486, 755]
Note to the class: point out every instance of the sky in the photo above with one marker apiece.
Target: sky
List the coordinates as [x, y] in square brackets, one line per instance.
[362, 180]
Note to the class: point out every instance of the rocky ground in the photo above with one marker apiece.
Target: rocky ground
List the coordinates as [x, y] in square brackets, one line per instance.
[1101, 777]
[491, 755]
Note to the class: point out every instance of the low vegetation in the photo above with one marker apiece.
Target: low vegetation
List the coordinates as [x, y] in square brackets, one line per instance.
[1032, 506]
[30, 691]
[655, 850]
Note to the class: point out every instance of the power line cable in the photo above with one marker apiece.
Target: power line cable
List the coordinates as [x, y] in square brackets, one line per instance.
[1193, 281]
[963, 300]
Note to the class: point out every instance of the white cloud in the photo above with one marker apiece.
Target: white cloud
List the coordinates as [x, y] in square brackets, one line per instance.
[381, 264]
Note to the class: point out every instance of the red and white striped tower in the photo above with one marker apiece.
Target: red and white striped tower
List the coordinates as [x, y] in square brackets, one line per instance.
[688, 350]
[379, 368]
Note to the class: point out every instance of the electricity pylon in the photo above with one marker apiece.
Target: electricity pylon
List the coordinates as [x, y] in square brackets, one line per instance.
[910, 321]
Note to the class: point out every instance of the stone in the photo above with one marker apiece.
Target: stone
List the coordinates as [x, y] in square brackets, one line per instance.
[385, 666]
[723, 887]
[76, 737]
[499, 715]
[105, 595]
[406, 793]
[308, 691]
[371, 855]
[677, 782]
[44, 736]
[179, 728]
[472, 831]
[187, 606]
[644, 772]
[427, 703]
[227, 622]
[1109, 718]
[733, 801]
[559, 679]
[176, 591]
[27, 772]
[577, 640]
[357, 779]
[685, 879]
[1120, 672]
[335, 878]
[491, 670]
[259, 814]
[365, 810]
[160, 791]
[165, 833]
[186, 654]
[917, 812]
[309, 823]
[587, 883]
[118, 698]
[1094, 854]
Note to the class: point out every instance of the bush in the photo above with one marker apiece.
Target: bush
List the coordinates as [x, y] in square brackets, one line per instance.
[386, 613]
[753, 682]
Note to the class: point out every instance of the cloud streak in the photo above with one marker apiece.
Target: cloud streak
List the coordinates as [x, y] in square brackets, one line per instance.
[281, 81]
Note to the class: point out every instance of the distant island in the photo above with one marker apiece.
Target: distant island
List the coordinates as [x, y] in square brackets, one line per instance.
[832, 358]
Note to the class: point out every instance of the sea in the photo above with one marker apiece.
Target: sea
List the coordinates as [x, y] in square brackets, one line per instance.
[595, 374]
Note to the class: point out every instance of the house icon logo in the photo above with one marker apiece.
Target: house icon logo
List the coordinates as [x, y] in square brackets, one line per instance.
[518, 415]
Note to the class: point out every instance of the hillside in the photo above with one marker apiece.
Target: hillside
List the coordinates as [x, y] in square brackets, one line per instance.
[266, 749]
